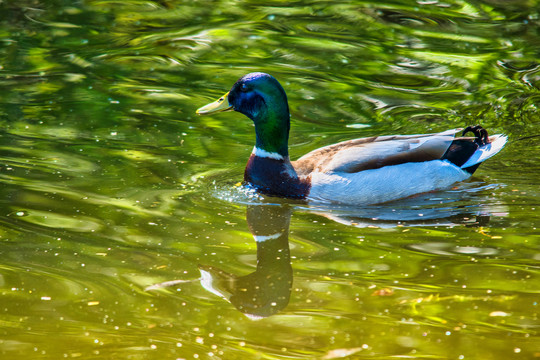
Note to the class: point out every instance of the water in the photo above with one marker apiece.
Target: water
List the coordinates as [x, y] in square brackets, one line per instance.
[124, 233]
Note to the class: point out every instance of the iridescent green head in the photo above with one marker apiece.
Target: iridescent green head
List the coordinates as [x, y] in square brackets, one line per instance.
[260, 97]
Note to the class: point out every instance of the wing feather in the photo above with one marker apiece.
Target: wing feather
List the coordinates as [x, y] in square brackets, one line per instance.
[375, 152]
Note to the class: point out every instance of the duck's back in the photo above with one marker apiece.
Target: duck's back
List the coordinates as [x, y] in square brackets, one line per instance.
[375, 152]
[381, 169]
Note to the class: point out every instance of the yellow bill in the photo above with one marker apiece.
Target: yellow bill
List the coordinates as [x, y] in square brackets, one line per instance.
[222, 104]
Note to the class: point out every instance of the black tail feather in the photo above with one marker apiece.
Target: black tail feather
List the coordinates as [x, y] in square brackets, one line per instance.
[462, 149]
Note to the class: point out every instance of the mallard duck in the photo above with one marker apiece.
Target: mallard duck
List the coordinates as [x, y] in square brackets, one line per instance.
[362, 171]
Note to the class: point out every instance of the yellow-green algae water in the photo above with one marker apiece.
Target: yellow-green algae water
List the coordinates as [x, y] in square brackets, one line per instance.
[124, 234]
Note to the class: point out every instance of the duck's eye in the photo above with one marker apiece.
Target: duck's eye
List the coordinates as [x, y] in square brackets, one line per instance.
[243, 88]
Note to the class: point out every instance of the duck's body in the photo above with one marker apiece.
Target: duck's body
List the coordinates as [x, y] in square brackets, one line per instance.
[362, 171]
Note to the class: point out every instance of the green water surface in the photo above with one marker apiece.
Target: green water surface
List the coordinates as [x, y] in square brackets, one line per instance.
[124, 233]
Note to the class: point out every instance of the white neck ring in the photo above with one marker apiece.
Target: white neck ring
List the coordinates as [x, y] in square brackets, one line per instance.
[266, 154]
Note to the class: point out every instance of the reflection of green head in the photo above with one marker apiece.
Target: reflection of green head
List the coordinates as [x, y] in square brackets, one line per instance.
[267, 290]
[260, 97]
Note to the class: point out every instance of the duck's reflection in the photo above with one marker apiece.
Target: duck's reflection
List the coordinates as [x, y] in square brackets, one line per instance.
[267, 290]
[462, 207]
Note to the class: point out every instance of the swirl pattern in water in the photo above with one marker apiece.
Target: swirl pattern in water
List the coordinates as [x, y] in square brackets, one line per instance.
[123, 234]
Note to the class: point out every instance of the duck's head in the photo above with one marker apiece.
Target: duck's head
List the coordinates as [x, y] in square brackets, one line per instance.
[260, 97]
